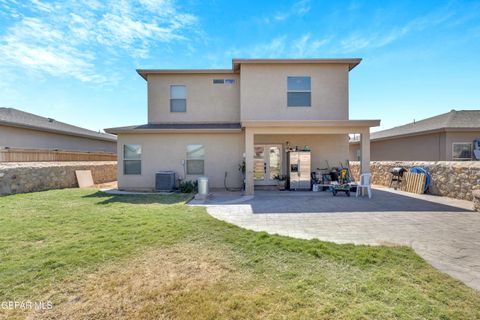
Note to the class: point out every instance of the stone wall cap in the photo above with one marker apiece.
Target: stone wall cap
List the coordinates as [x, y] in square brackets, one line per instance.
[18, 165]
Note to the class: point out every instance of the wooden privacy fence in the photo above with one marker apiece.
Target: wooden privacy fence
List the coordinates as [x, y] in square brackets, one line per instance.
[413, 182]
[33, 155]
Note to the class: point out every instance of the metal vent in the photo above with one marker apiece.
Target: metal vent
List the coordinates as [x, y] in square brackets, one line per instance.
[165, 181]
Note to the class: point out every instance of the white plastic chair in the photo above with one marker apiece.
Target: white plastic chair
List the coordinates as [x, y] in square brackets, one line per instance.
[365, 182]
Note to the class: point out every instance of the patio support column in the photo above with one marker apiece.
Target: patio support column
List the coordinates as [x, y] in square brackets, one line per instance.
[365, 151]
[249, 149]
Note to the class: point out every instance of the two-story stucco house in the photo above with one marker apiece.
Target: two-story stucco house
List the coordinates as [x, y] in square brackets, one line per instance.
[207, 122]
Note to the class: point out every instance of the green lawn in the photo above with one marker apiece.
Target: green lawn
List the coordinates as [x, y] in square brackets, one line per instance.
[101, 256]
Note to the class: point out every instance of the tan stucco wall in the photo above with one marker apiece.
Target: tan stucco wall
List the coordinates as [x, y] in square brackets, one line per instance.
[426, 147]
[264, 92]
[206, 102]
[325, 147]
[429, 147]
[451, 137]
[223, 152]
[352, 152]
[32, 139]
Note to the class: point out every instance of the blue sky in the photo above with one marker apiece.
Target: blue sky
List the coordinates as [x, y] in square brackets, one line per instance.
[75, 61]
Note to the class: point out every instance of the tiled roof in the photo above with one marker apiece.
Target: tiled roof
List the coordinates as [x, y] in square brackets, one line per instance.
[17, 118]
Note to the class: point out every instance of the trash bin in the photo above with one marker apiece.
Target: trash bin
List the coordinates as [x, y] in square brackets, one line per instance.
[203, 186]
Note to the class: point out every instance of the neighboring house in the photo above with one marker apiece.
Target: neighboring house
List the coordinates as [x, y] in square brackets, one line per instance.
[445, 137]
[207, 122]
[23, 131]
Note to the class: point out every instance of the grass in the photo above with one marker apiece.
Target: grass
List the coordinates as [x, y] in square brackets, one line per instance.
[102, 256]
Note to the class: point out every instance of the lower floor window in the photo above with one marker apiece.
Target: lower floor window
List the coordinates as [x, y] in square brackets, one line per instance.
[461, 151]
[195, 159]
[132, 162]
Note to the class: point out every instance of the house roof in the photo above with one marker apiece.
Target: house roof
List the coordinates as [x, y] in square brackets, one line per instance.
[144, 72]
[352, 63]
[453, 120]
[16, 118]
[178, 127]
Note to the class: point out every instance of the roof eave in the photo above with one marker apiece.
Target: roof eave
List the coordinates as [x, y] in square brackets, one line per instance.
[419, 133]
[145, 72]
[236, 62]
[142, 131]
[311, 123]
[352, 62]
[72, 134]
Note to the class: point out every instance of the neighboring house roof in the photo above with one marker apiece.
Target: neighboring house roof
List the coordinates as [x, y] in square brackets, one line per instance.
[352, 63]
[16, 118]
[460, 120]
[178, 127]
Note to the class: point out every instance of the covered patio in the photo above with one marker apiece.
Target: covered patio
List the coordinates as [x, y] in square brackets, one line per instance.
[443, 231]
[260, 131]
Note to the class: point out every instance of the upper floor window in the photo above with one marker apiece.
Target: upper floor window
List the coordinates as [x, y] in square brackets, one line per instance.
[178, 98]
[132, 159]
[461, 151]
[299, 92]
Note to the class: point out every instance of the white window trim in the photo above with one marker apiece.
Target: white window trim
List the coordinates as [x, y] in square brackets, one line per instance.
[170, 101]
[309, 91]
[127, 159]
[462, 159]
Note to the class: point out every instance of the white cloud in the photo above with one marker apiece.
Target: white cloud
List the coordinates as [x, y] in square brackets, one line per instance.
[42, 6]
[282, 47]
[65, 38]
[305, 46]
[358, 41]
[274, 48]
[46, 52]
[299, 8]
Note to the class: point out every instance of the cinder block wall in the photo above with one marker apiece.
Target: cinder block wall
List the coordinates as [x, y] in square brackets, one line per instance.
[21, 177]
[454, 179]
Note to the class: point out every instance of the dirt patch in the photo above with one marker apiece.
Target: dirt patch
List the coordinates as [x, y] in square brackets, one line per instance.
[107, 185]
[141, 288]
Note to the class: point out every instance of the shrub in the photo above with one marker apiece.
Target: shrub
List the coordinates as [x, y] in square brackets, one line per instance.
[188, 186]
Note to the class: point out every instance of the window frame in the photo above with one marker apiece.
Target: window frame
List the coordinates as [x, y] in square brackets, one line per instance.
[462, 159]
[171, 98]
[202, 158]
[132, 159]
[300, 91]
[224, 81]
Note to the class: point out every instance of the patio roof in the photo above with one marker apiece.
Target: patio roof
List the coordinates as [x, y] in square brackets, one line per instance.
[178, 127]
[310, 123]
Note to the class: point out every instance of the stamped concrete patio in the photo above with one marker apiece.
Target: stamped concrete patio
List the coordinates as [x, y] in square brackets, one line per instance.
[445, 232]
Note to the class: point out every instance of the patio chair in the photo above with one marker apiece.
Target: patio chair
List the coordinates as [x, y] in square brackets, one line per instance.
[365, 182]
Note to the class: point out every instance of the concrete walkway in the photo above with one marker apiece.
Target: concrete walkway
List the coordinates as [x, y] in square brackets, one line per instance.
[445, 232]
